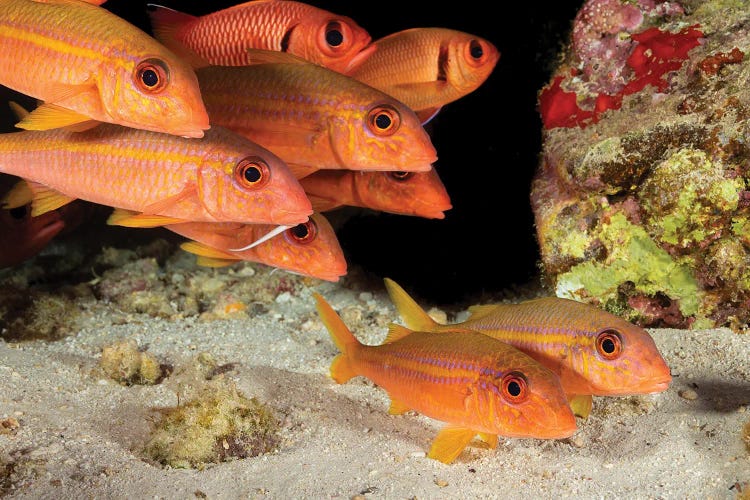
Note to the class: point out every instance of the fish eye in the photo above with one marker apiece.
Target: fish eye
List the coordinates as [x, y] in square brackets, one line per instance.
[19, 213]
[609, 344]
[514, 387]
[334, 35]
[399, 175]
[252, 172]
[152, 75]
[475, 49]
[384, 120]
[303, 233]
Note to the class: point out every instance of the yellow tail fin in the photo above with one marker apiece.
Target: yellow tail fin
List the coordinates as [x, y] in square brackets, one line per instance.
[413, 315]
[341, 367]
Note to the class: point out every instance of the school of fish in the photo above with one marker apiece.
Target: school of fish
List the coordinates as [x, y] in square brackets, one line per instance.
[238, 130]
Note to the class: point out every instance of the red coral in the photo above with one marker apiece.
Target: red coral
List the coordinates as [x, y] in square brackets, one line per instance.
[655, 54]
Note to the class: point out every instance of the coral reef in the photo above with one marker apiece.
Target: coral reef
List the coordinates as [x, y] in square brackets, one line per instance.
[640, 199]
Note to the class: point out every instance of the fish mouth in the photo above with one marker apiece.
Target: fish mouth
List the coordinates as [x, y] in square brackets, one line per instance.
[361, 57]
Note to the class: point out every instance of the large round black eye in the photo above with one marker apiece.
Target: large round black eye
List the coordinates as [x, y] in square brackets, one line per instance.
[252, 172]
[151, 75]
[334, 34]
[475, 49]
[303, 233]
[19, 213]
[400, 176]
[609, 344]
[514, 387]
[384, 120]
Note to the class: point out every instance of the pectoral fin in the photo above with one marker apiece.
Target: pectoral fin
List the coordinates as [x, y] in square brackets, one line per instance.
[128, 218]
[43, 199]
[208, 256]
[490, 439]
[581, 404]
[398, 407]
[450, 442]
[165, 204]
[49, 116]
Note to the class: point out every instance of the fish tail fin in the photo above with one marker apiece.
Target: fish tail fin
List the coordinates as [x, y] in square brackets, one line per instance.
[413, 315]
[166, 24]
[341, 366]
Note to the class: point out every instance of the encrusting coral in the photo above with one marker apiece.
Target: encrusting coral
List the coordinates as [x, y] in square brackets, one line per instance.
[640, 200]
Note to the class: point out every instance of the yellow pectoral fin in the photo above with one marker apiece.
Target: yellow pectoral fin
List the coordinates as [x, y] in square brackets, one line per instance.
[581, 404]
[322, 204]
[128, 218]
[43, 198]
[450, 442]
[398, 407]
[206, 251]
[19, 195]
[490, 439]
[50, 116]
[265, 56]
[213, 262]
[479, 311]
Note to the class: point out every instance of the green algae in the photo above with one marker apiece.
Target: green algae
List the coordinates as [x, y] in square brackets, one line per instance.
[218, 425]
[124, 363]
[632, 257]
[685, 197]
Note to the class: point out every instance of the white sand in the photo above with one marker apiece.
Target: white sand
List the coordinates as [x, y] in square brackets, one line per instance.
[81, 435]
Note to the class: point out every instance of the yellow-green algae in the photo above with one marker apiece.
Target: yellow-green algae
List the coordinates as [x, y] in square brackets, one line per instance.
[685, 198]
[218, 425]
[123, 362]
[632, 256]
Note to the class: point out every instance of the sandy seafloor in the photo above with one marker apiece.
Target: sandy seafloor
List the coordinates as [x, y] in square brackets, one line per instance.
[81, 435]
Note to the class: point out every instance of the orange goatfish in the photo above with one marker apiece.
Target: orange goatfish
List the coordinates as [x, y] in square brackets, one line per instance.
[88, 65]
[313, 117]
[474, 383]
[167, 179]
[421, 194]
[222, 38]
[427, 68]
[592, 351]
[309, 249]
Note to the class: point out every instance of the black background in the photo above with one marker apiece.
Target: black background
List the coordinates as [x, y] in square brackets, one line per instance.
[488, 145]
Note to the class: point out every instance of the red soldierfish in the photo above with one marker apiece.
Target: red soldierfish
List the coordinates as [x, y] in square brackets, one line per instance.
[87, 65]
[420, 194]
[474, 383]
[222, 38]
[24, 236]
[427, 68]
[314, 117]
[309, 249]
[168, 179]
[592, 351]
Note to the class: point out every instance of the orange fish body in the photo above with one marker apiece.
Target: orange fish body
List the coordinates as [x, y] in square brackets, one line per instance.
[592, 351]
[223, 37]
[316, 118]
[427, 68]
[87, 64]
[474, 383]
[421, 194]
[309, 249]
[222, 177]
